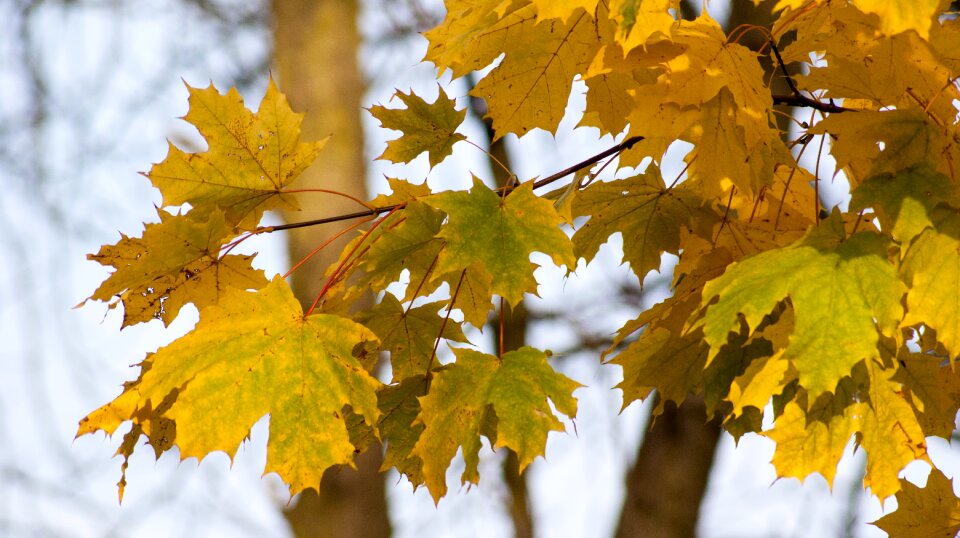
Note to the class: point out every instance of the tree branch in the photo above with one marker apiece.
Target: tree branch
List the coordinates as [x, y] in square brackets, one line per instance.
[625, 145]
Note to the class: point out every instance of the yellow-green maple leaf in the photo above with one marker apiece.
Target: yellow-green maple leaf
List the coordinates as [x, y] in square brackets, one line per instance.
[931, 511]
[932, 269]
[659, 360]
[643, 210]
[506, 399]
[409, 334]
[251, 355]
[407, 241]
[904, 202]
[399, 408]
[909, 140]
[250, 159]
[425, 127]
[500, 233]
[177, 261]
[844, 293]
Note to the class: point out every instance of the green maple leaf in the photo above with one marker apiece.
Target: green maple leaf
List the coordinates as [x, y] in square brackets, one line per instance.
[429, 127]
[504, 399]
[409, 335]
[499, 233]
[844, 294]
[251, 157]
[177, 261]
[251, 355]
[643, 210]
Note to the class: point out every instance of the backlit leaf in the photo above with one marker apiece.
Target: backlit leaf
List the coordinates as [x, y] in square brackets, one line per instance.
[844, 293]
[251, 157]
[933, 510]
[176, 261]
[511, 393]
[255, 354]
[500, 233]
[429, 127]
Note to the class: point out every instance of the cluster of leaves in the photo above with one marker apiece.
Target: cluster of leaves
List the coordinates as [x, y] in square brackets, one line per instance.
[847, 323]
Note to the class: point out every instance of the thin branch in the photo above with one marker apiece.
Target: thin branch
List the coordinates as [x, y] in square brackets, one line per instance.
[625, 145]
[796, 98]
[803, 100]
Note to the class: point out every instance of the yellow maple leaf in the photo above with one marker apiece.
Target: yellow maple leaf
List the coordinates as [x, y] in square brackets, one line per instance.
[531, 86]
[931, 511]
[639, 20]
[901, 15]
[251, 157]
[177, 261]
[562, 9]
[251, 355]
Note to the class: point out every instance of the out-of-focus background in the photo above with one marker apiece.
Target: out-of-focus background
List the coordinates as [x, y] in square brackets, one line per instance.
[91, 91]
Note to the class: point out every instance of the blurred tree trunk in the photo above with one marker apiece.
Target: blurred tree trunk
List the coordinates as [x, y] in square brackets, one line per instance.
[316, 47]
[669, 478]
[514, 331]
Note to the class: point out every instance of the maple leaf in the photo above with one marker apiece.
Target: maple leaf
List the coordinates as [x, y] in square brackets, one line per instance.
[732, 151]
[933, 510]
[934, 391]
[658, 360]
[505, 399]
[470, 292]
[907, 135]
[889, 431]
[251, 355]
[429, 127]
[905, 202]
[499, 233]
[406, 242]
[844, 293]
[710, 63]
[458, 44]
[648, 215]
[399, 408]
[807, 445]
[409, 335]
[931, 267]
[901, 15]
[639, 20]
[537, 71]
[562, 9]
[251, 157]
[177, 261]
